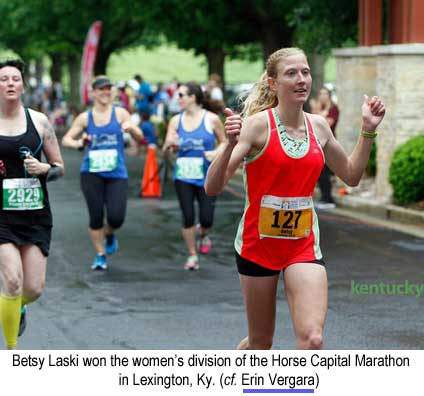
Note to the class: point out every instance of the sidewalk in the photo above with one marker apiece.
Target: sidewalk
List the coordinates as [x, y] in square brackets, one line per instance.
[368, 209]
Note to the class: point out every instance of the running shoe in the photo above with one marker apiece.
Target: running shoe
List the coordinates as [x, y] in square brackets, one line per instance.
[22, 322]
[99, 262]
[205, 244]
[192, 263]
[325, 205]
[111, 244]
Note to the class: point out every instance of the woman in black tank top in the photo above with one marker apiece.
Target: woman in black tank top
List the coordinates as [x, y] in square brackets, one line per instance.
[25, 216]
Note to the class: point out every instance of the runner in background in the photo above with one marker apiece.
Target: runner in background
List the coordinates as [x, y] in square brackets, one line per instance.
[143, 95]
[283, 151]
[325, 107]
[195, 133]
[215, 93]
[25, 216]
[104, 176]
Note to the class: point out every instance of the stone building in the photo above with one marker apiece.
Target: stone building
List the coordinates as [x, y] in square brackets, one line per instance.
[394, 71]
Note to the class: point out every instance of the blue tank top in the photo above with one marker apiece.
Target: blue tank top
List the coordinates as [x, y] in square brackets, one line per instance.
[191, 164]
[105, 154]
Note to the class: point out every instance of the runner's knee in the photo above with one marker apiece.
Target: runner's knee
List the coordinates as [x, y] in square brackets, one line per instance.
[206, 223]
[13, 284]
[310, 340]
[96, 222]
[33, 292]
[188, 221]
[115, 221]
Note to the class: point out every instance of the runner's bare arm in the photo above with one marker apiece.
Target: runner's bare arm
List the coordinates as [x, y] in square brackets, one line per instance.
[350, 168]
[218, 129]
[51, 150]
[128, 126]
[71, 139]
[171, 134]
[240, 143]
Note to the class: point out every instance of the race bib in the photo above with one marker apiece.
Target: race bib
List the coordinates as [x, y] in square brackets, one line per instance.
[22, 194]
[103, 160]
[286, 218]
[190, 168]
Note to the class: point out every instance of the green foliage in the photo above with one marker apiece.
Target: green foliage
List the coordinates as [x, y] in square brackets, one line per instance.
[160, 127]
[372, 162]
[406, 173]
[321, 25]
[37, 27]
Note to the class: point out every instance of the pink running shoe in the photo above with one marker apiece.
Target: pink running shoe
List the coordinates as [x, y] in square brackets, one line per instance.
[205, 245]
[192, 263]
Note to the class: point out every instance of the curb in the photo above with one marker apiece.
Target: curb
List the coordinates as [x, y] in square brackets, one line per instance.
[382, 211]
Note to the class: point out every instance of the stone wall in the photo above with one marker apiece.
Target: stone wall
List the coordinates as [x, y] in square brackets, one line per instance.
[396, 74]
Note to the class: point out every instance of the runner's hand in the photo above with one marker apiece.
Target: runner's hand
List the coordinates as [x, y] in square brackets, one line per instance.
[85, 139]
[127, 126]
[373, 111]
[232, 125]
[35, 167]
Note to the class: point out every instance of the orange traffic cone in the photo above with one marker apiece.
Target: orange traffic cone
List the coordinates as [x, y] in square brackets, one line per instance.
[150, 185]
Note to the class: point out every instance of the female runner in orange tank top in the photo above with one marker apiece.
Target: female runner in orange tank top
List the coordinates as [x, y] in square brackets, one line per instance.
[283, 151]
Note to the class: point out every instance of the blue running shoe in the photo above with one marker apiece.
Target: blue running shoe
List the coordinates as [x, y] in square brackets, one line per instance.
[99, 262]
[111, 244]
[22, 322]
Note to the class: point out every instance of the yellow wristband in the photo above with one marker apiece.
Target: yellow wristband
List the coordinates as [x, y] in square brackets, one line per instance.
[369, 135]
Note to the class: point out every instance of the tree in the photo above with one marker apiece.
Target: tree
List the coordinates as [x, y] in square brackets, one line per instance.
[217, 28]
[58, 28]
[321, 25]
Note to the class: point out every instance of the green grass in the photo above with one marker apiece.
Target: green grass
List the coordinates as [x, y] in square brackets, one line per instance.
[330, 70]
[166, 62]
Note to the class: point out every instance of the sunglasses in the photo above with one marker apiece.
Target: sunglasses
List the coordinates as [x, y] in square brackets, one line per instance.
[181, 95]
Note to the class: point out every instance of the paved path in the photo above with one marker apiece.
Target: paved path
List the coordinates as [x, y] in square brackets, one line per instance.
[147, 301]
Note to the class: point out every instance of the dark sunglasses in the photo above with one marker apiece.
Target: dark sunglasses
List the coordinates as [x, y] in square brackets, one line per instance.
[181, 95]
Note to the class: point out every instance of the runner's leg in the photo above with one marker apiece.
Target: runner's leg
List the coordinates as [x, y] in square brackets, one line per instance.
[260, 295]
[93, 189]
[206, 212]
[116, 191]
[34, 265]
[306, 290]
[11, 276]
[185, 194]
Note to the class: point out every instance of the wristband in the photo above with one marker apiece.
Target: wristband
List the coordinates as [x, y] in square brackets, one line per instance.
[369, 135]
[54, 172]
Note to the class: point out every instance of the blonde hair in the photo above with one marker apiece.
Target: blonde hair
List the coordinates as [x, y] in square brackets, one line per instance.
[262, 97]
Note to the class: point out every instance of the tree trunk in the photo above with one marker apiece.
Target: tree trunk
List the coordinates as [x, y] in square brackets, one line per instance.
[316, 63]
[74, 64]
[39, 70]
[101, 61]
[274, 36]
[270, 43]
[56, 67]
[216, 62]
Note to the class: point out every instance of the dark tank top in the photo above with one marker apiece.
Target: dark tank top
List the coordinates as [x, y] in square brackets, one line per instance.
[13, 151]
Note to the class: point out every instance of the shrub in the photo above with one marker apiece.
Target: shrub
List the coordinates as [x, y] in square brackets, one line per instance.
[406, 173]
[372, 162]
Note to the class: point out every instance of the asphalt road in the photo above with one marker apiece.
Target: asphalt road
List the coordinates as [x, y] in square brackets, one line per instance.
[147, 301]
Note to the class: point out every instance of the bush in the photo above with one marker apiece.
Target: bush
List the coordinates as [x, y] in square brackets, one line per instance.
[372, 162]
[406, 173]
